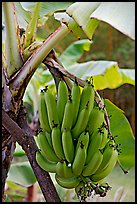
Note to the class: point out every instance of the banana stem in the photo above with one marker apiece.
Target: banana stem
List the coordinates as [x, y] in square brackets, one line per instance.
[12, 43]
[30, 32]
[22, 77]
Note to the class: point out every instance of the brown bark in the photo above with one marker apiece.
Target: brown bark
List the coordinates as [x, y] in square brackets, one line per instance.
[24, 136]
[8, 147]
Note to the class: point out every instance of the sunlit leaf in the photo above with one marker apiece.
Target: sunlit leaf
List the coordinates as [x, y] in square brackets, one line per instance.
[120, 15]
[21, 173]
[106, 74]
[120, 127]
[81, 12]
[128, 75]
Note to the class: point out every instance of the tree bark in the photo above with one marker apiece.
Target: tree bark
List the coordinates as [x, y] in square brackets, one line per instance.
[22, 133]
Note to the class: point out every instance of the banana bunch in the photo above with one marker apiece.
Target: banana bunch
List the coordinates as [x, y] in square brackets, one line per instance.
[74, 142]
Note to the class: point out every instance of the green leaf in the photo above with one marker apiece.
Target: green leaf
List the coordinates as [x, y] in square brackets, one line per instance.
[21, 173]
[74, 52]
[120, 15]
[113, 77]
[19, 151]
[81, 12]
[70, 22]
[121, 128]
[8, 199]
[25, 9]
[128, 76]
[106, 74]
[23, 16]
[47, 8]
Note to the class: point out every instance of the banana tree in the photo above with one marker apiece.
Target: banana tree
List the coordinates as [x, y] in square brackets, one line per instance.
[23, 52]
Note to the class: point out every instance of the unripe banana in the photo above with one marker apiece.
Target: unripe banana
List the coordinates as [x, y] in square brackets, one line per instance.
[62, 99]
[68, 115]
[93, 164]
[107, 156]
[105, 172]
[75, 100]
[37, 141]
[79, 160]
[88, 94]
[83, 140]
[63, 170]
[104, 138]
[96, 119]
[45, 164]
[81, 122]
[43, 114]
[48, 136]
[68, 182]
[46, 150]
[57, 142]
[51, 108]
[68, 146]
[94, 145]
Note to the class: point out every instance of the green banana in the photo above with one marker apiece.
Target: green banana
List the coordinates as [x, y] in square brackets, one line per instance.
[51, 108]
[81, 122]
[68, 115]
[107, 170]
[62, 98]
[104, 138]
[68, 146]
[68, 182]
[96, 119]
[46, 149]
[57, 142]
[83, 140]
[37, 141]
[43, 115]
[93, 164]
[48, 136]
[45, 164]
[88, 94]
[79, 160]
[94, 145]
[107, 156]
[75, 100]
[63, 170]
